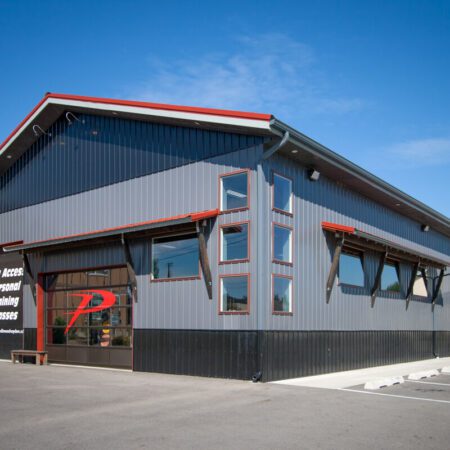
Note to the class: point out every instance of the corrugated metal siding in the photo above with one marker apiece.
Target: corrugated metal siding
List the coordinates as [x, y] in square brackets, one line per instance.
[99, 151]
[194, 187]
[349, 308]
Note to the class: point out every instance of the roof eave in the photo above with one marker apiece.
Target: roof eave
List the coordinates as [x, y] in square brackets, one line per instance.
[364, 178]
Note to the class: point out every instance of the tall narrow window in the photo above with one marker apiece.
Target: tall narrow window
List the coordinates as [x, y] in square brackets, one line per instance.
[175, 257]
[282, 193]
[389, 278]
[234, 243]
[234, 191]
[234, 294]
[282, 294]
[351, 269]
[282, 244]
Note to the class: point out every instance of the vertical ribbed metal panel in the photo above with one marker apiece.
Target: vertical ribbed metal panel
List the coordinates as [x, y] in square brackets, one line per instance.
[349, 308]
[98, 151]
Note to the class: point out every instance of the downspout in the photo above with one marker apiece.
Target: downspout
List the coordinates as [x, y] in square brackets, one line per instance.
[261, 244]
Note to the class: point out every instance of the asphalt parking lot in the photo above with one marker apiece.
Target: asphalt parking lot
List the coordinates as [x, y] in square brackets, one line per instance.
[53, 407]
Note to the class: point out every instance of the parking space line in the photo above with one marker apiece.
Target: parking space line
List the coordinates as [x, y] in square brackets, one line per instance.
[398, 396]
[427, 382]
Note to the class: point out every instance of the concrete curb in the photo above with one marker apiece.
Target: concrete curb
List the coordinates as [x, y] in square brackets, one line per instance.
[384, 382]
[445, 369]
[423, 374]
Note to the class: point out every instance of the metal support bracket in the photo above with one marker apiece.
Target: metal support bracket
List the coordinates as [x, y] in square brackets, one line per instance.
[334, 267]
[204, 260]
[437, 287]
[130, 267]
[29, 273]
[376, 284]
[411, 283]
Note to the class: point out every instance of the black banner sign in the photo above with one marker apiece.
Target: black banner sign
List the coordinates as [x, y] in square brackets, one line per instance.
[11, 304]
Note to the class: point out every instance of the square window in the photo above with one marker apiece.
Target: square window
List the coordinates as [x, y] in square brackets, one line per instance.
[389, 278]
[234, 191]
[234, 294]
[282, 244]
[234, 242]
[175, 257]
[282, 294]
[351, 270]
[282, 193]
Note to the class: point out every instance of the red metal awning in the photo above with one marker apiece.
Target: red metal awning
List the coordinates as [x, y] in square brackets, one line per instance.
[367, 240]
[116, 231]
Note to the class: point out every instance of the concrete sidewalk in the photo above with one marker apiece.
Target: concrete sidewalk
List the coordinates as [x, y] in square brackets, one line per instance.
[350, 378]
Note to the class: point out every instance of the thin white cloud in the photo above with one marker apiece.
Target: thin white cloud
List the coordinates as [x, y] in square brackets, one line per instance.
[270, 73]
[408, 155]
[422, 152]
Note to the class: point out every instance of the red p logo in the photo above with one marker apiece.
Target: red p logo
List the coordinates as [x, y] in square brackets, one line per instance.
[109, 299]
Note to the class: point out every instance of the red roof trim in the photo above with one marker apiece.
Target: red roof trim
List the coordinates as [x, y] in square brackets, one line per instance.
[8, 244]
[193, 216]
[21, 124]
[329, 226]
[161, 106]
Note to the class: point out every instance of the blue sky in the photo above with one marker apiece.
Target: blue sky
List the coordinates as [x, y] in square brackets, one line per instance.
[370, 80]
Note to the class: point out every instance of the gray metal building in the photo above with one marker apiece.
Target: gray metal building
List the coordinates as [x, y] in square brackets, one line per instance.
[208, 242]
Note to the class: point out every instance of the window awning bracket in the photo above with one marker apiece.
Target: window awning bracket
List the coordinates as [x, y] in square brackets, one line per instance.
[130, 267]
[204, 260]
[334, 267]
[376, 283]
[29, 273]
[409, 294]
[437, 288]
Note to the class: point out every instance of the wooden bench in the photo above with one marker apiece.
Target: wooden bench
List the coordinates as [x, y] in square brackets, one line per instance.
[17, 355]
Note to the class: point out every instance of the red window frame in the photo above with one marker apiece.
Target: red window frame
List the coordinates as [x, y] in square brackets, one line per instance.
[167, 280]
[277, 261]
[282, 313]
[224, 175]
[227, 225]
[247, 311]
[278, 210]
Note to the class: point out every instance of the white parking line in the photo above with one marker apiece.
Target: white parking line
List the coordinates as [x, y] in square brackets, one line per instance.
[427, 382]
[392, 395]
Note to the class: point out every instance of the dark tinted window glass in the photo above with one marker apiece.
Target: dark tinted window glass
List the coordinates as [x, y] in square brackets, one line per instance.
[175, 257]
[351, 270]
[389, 278]
[234, 191]
[234, 294]
[282, 294]
[282, 193]
[235, 242]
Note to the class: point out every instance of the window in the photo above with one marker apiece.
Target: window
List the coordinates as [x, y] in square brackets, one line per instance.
[105, 321]
[234, 294]
[282, 194]
[389, 278]
[234, 191]
[175, 257]
[234, 243]
[282, 244]
[419, 286]
[351, 270]
[282, 294]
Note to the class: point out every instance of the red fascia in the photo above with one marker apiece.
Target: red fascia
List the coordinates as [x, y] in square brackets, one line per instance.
[329, 226]
[160, 106]
[7, 244]
[197, 216]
